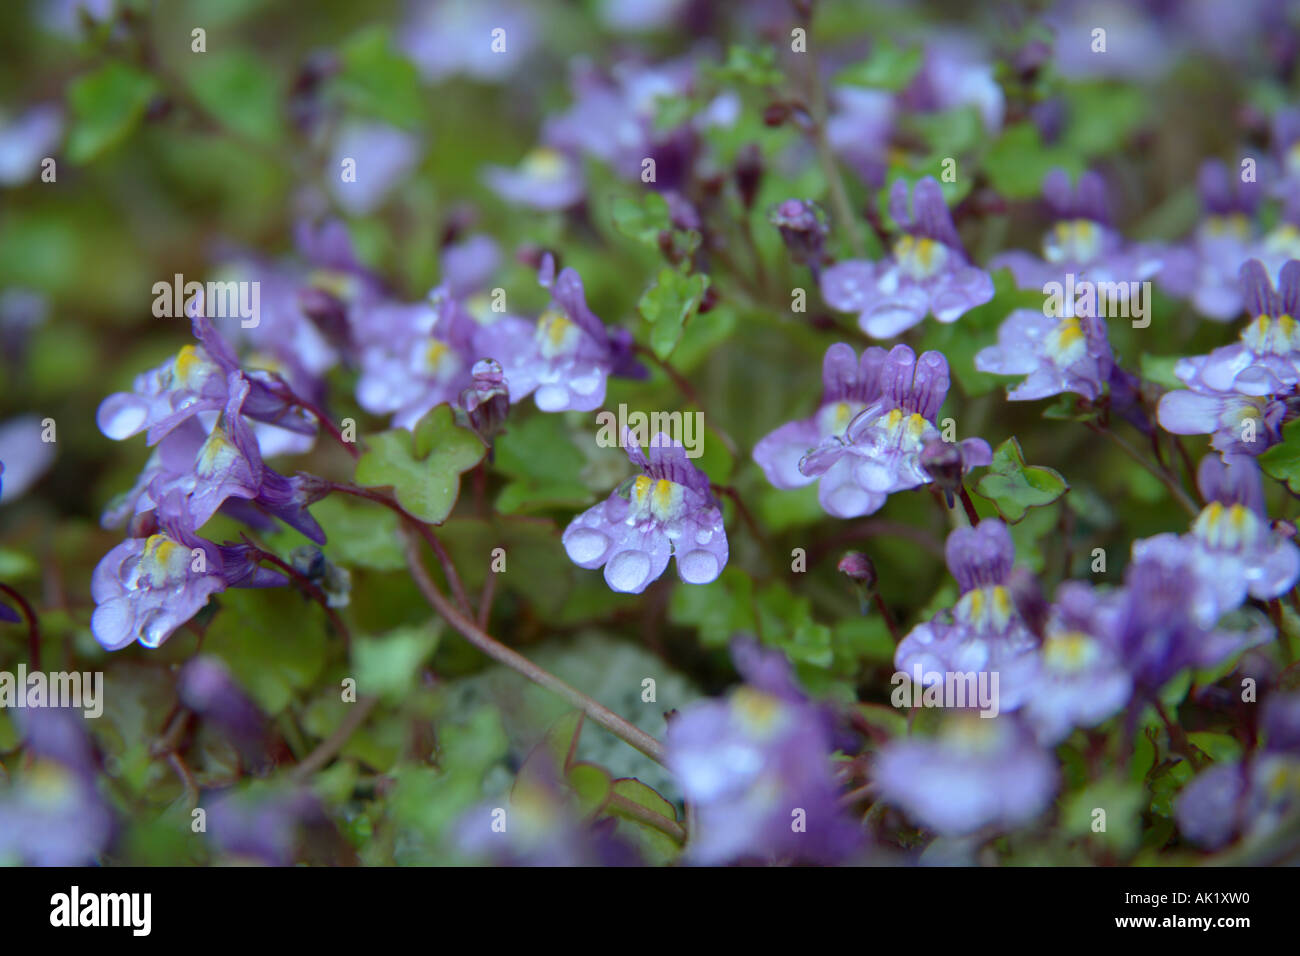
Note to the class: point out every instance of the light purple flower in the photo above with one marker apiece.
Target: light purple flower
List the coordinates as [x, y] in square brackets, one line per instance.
[52, 812]
[1235, 392]
[1159, 631]
[927, 273]
[27, 140]
[546, 179]
[1082, 241]
[381, 157]
[24, 456]
[266, 827]
[859, 130]
[421, 362]
[1232, 549]
[866, 440]
[567, 357]
[668, 510]
[145, 588]
[1079, 680]
[984, 632]
[956, 72]
[755, 765]
[978, 773]
[1250, 798]
[1206, 269]
[1057, 354]
[195, 382]
[445, 38]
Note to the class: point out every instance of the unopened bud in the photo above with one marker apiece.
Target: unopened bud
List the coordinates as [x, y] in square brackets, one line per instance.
[942, 462]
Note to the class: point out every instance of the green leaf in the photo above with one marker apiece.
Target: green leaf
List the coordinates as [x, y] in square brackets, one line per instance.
[642, 220]
[106, 106]
[591, 785]
[423, 468]
[1283, 461]
[378, 81]
[1018, 162]
[1015, 487]
[239, 89]
[890, 67]
[657, 848]
[1121, 800]
[668, 305]
[543, 464]
[360, 534]
[390, 664]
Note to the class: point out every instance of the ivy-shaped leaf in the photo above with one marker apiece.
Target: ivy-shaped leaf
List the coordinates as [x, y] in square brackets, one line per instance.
[668, 305]
[1015, 487]
[1283, 461]
[422, 467]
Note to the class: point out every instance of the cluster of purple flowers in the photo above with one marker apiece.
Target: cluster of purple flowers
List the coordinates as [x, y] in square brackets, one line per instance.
[1238, 392]
[868, 437]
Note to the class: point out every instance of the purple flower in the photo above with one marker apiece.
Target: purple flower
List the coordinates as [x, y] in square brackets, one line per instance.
[446, 38]
[1232, 549]
[1206, 269]
[1056, 354]
[955, 72]
[859, 129]
[1280, 722]
[207, 687]
[984, 632]
[422, 361]
[866, 440]
[756, 768]
[668, 510]
[547, 179]
[1235, 392]
[1158, 631]
[26, 140]
[979, 773]
[1080, 679]
[24, 456]
[1250, 798]
[569, 355]
[51, 811]
[928, 272]
[145, 588]
[1082, 241]
[1266, 360]
[195, 382]
[266, 827]
[204, 470]
[381, 157]
[613, 119]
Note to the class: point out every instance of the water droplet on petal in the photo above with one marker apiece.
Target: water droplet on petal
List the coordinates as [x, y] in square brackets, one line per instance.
[698, 567]
[628, 571]
[704, 536]
[585, 545]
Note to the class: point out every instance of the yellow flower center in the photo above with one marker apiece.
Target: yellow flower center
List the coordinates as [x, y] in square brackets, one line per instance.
[920, 257]
[556, 334]
[1073, 240]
